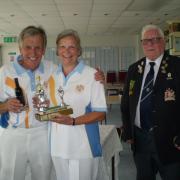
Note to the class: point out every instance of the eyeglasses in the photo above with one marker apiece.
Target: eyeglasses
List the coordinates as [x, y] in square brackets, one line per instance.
[154, 40]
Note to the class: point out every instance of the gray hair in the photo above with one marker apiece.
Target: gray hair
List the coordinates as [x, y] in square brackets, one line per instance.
[151, 27]
[32, 31]
[74, 34]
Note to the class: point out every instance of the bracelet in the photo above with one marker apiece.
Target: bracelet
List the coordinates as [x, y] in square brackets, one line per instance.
[74, 122]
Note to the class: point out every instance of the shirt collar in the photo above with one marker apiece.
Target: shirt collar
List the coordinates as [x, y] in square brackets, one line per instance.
[20, 69]
[156, 61]
[79, 67]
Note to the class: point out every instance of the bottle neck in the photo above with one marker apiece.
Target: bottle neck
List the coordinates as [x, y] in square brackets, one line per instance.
[17, 82]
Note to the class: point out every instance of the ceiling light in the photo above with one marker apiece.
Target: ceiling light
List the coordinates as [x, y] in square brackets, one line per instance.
[43, 14]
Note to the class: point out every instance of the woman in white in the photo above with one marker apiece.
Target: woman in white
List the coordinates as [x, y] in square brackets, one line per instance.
[74, 140]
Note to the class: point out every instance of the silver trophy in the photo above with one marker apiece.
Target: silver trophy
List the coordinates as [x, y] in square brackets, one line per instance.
[61, 94]
[47, 113]
[41, 96]
[42, 106]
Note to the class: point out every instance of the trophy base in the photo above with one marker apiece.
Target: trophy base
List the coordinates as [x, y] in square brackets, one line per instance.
[52, 111]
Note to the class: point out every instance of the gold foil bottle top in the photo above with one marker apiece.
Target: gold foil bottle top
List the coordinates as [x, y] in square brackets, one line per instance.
[38, 78]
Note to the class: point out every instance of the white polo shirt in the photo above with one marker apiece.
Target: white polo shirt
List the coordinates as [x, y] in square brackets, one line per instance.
[27, 81]
[81, 92]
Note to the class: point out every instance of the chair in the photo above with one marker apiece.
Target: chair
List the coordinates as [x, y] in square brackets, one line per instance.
[111, 77]
[122, 76]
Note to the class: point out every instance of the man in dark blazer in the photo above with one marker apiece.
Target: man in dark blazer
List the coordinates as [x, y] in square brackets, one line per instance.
[156, 149]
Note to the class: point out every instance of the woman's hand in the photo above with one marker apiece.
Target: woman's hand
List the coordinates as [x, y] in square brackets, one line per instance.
[62, 119]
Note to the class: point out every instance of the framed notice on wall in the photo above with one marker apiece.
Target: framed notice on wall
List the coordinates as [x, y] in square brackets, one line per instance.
[177, 44]
[174, 43]
[12, 56]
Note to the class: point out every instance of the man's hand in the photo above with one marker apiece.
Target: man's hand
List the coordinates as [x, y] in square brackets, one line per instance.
[178, 147]
[37, 103]
[13, 105]
[99, 76]
[176, 142]
[130, 141]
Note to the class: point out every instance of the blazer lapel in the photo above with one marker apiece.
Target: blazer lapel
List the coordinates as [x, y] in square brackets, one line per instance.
[139, 78]
[162, 72]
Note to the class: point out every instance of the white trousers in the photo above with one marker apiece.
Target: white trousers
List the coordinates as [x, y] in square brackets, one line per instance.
[20, 147]
[82, 169]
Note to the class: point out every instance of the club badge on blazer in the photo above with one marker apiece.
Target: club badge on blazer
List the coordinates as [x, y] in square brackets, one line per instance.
[169, 76]
[140, 67]
[131, 87]
[169, 95]
[164, 67]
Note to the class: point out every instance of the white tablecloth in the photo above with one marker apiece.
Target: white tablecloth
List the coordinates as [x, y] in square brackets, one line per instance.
[111, 148]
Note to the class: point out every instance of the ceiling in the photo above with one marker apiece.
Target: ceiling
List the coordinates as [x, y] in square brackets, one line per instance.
[88, 17]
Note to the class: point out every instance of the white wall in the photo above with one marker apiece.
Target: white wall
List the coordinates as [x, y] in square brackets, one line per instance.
[120, 41]
[139, 50]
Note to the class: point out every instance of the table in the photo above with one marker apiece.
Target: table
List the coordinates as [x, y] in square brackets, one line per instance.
[114, 88]
[113, 99]
[111, 146]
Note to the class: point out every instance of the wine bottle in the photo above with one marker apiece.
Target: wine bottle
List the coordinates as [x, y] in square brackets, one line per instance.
[19, 92]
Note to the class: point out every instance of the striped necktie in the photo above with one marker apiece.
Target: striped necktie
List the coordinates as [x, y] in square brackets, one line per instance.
[146, 100]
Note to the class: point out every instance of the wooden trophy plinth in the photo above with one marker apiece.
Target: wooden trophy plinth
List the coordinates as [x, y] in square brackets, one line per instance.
[52, 111]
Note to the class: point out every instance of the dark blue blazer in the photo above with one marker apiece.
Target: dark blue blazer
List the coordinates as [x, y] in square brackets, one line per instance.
[166, 105]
